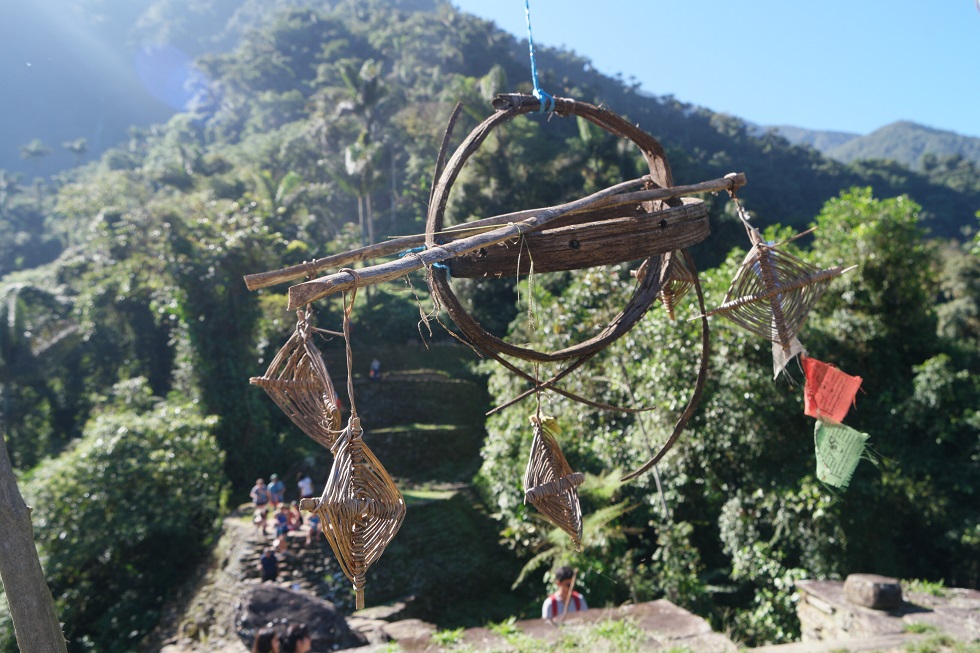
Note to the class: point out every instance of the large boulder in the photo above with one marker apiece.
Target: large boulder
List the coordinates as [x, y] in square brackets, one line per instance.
[267, 603]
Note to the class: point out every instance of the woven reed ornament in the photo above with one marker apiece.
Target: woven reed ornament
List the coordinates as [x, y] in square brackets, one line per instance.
[773, 292]
[549, 483]
[360, 510]
[297, 380]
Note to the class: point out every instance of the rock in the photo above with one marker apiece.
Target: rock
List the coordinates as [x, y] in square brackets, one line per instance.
[268, 603]
[873, 591]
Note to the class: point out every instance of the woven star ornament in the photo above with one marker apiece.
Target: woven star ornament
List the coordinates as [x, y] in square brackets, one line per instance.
[360, 510]
[773, 292]
[297, 380]
[549, 483]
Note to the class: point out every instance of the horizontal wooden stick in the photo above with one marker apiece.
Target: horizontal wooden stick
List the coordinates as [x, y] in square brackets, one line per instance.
[258, 280]
[304, 293]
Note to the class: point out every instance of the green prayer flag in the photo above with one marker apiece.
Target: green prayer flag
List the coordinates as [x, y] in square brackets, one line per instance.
[839, 448]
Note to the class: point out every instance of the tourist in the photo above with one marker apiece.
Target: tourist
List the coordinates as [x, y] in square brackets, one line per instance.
[375, 373]
[295, 518]
[266, 641]
[282, 521]
[296, 640]
[259, 494]
[314, 532]
[305, 485]
[277, 491]
[269, 565]
[259, 518]
[565, 600]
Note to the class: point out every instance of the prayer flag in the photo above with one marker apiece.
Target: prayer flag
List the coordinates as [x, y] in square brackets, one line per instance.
[829, 392]
[839, 448]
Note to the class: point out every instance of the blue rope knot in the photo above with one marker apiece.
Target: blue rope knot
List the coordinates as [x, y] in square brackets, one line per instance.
[546, 100]
[414, 250]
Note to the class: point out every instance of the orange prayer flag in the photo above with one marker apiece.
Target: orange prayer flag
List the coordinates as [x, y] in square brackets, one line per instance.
[829, 392]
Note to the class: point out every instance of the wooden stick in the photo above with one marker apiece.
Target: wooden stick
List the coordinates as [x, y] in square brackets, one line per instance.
[258, 280]
[304, 293]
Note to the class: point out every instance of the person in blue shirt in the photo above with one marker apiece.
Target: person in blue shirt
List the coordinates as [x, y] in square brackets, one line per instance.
[277, 491]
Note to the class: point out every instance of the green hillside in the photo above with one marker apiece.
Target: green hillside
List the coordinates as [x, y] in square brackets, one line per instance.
[127, 335]
[907, 142]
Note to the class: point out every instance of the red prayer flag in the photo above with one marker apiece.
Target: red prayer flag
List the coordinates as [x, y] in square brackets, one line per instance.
[828, 393]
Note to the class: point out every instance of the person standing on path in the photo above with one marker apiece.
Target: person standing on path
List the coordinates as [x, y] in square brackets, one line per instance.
[277, 491]
[565, 600]
[259, 494]
[305, 485]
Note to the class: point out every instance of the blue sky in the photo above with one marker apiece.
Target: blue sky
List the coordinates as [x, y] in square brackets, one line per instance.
[840, 65]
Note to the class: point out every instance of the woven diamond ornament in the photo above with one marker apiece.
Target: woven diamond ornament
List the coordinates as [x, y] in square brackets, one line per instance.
[549, 483]
[360, 510]
[773, 292]
[297, 380]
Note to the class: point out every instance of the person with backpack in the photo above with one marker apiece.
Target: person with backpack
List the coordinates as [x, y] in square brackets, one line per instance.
[564, 601]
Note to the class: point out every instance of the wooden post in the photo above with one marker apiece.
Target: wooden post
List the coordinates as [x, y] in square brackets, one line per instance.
[36, 624]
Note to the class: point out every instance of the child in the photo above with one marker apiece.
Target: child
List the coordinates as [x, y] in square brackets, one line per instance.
[259, 518]
[282, 521]
[295, 518]
[314, 532]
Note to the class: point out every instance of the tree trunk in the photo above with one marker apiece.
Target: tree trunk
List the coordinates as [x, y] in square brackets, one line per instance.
[36, 623]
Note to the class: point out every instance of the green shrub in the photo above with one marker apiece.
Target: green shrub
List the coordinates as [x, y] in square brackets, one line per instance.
[123, 517]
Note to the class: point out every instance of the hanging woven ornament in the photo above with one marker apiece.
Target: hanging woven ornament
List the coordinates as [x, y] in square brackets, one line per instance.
[361, 509]
[839, 449]
[549, 483]
[297, 380]
[679, 283]
[829, 392]
[773, 292]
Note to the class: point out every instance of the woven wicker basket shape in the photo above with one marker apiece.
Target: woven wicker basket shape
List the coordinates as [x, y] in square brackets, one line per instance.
[361, 509]
[549, 483]
[773, 292]
[297, 380]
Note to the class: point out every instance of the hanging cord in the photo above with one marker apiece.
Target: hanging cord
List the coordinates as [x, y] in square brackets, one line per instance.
[698, 385]
[348, 308]
[646, 437]
[546, 100]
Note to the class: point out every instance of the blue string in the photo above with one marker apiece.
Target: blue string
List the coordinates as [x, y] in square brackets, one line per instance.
[546, 100]
[415, 250]
[443, 266]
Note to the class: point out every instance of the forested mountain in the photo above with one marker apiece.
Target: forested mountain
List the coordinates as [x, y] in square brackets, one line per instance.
[822, 141]
[127, 336]
[910, 144]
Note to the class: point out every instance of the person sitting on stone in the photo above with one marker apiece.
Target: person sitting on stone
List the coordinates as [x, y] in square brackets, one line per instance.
[314, 532]
[565, 600]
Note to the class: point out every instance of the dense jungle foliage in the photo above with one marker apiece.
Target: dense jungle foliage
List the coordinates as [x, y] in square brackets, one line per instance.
[127, 335]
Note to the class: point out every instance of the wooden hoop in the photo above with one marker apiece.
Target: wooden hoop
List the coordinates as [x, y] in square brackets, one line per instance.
[647, 290]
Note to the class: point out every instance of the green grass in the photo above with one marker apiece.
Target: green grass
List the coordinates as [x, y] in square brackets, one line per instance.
[412, 428]
[919, 628]
[421, 496]
[942, 644]
[925, 587]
